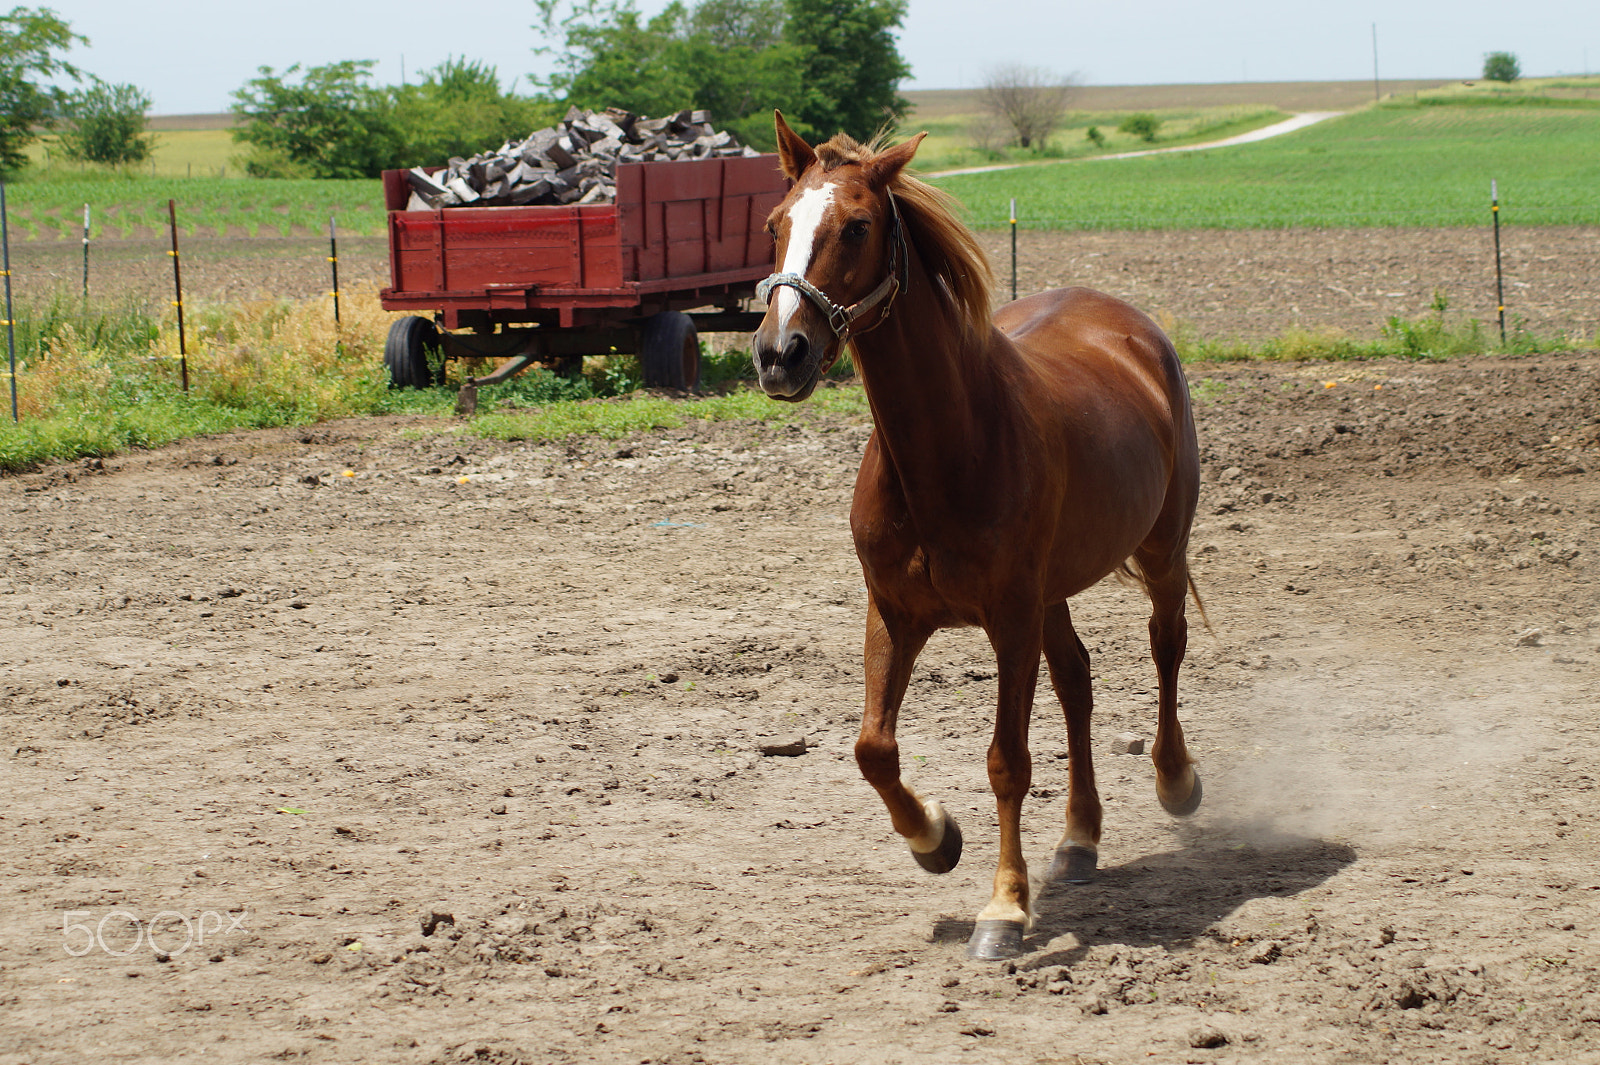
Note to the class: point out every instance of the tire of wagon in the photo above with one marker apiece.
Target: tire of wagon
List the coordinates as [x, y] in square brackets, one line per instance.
[405, 353]
[669, 351]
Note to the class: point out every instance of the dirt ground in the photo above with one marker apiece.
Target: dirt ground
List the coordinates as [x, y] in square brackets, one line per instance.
[376, 742]
[1223, 285]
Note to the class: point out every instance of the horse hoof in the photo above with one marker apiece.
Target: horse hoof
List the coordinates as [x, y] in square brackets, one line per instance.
[1074, 865]
[944, 857]
[1187, 806]
[995, 940]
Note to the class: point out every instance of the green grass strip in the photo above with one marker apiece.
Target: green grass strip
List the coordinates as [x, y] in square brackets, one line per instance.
[152, 423]
[611, 419]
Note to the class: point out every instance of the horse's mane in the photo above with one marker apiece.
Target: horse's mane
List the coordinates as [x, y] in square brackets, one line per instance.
[947, 248]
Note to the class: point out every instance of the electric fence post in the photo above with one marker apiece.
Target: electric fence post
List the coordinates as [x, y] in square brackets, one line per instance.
[85, 257]
[333, 259]
[177, 285]
[1499, 283]
[1013, 249]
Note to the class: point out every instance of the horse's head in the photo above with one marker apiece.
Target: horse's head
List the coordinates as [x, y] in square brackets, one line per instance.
[841, 257]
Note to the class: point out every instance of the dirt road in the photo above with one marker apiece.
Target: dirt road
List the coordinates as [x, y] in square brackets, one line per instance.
[456, 756]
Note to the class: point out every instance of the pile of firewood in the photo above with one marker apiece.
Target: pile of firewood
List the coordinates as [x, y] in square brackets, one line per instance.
[573, 163]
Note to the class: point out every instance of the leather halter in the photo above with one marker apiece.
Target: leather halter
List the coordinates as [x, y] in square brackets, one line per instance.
[840, 319]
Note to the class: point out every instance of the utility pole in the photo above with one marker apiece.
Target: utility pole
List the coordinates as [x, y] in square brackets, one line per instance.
[1376, 95]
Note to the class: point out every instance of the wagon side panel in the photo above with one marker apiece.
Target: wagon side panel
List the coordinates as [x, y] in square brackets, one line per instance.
[465, 251]
[690, 220]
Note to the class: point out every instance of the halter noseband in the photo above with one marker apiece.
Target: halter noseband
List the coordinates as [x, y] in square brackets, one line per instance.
[840, 319]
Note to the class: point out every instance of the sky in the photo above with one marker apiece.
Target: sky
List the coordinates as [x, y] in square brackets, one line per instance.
[190, 55]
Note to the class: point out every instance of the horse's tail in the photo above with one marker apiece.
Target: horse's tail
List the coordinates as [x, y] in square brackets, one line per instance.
[1199, 604]
[1131, 572]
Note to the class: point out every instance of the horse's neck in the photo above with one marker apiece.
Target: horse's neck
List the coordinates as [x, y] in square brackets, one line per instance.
[935, 389]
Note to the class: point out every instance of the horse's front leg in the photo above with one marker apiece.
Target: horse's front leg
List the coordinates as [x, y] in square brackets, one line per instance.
[892, 646]
[1002, 923]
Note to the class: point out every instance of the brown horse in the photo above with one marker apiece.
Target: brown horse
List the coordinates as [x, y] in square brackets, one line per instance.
[1014, 463]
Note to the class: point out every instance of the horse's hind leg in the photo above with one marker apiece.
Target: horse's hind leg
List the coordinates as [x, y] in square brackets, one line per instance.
[1077, 855]
[892, 647]
[1177, 784]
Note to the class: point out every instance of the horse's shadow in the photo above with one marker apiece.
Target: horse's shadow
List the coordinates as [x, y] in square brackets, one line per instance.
[1169, 898]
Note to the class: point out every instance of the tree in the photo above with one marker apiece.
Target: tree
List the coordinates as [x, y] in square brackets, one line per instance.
[1501, 66]
[830, 65]
[748, 67]
[613, 57]
[851, 66]
[460, 109]
[106, 124]
[330, 124]
[29, 41]
[1030, 100]
[726, 56]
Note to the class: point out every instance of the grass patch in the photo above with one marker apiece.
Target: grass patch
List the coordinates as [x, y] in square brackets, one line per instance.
[1435, 335]
[614, 418]
[1406, 163]
[101, 381]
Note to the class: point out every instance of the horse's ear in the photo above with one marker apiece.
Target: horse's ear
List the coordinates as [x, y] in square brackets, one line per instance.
[887, 164]
[794, 153]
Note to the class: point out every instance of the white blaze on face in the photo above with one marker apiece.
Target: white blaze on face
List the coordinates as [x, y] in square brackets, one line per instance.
[804, 218]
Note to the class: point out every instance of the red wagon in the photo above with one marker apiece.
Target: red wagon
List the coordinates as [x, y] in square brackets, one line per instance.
[543, 284]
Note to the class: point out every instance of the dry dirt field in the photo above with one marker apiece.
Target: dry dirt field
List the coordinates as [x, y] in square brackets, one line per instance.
[374, 742]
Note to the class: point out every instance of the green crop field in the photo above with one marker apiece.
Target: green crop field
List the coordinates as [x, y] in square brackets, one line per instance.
[129, 207]
[1423, 161]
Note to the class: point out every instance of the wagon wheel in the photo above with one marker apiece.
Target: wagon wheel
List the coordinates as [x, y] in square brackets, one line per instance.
[405, 353]
[669, 351]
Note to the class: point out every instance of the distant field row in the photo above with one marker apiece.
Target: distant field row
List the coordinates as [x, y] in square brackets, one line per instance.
[1420, 160]
[933, 105]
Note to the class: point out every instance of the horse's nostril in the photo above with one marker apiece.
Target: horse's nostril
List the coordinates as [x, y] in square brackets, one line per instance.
[795, 350]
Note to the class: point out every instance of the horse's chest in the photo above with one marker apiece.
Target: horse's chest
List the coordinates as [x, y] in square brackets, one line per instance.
[924, 573]
[944, 555]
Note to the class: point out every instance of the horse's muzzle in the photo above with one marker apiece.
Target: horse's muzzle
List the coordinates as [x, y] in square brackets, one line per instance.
[790, 372]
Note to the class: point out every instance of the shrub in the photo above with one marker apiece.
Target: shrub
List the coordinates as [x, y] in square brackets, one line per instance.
[1094, 135]
[1142, 125]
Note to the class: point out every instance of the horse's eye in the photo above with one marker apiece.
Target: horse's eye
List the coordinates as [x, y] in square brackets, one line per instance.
[857, 230]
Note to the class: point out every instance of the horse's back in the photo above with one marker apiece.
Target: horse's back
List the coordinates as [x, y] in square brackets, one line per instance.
[1076, 325]
[1087, 347]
